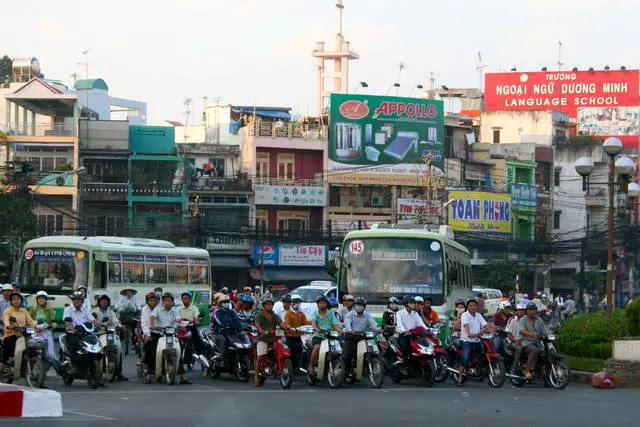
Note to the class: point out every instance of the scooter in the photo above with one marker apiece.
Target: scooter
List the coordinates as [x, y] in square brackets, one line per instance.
[440, 358]
[368, 360]
[87, 364]
[330, 361]
[29, 360]
[167, 355]
[234, 361]
[277, 362]
[550, 368]
[419, 364]
[487, 363]
[112, 351]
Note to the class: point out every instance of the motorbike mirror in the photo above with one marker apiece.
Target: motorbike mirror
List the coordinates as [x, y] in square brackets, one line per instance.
[40, 322]
[67, 304]
[201, 316]
[95, 316]
[105, 318]
[12, 319]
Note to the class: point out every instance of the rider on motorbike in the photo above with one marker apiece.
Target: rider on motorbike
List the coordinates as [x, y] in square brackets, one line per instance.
[513, 333]
[286, 305]
[5, 298]
[389, 317]
[456, 318]
[348, 302]
[406, 320]
[106, 316]
[41, 313]
[501, 319]
[531, 328]
[149, 349]
[356, 323]
[295, 319]
[192, 314]
[322, 320]
[225, 322]
[20, 317]
[74, 315]
[472, 326]
[167, 315]
[247, 314]
[266, 321]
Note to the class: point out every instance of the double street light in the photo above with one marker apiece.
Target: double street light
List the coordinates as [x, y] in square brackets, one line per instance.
[625, 167]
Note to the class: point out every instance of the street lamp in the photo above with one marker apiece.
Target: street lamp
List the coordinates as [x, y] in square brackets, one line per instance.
[625, 167]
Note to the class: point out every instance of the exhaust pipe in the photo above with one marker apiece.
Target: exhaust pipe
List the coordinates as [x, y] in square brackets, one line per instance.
[203, 361]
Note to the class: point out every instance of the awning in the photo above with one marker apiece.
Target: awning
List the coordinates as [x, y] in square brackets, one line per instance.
[276, 114]
[291, 274]
[239, 262]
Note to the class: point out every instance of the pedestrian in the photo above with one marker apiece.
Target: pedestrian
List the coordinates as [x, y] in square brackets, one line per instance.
[480, 300]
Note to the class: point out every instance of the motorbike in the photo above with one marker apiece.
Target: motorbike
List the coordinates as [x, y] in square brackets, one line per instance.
[368, 360]
[111, 360]
[440, 359]
[184, 336]
[419, 364]
[167, 354]
[330, 361]
[277, 362]
[487, 363]
[29, 358]
[550, 368]
[234, 361]
[87, 364]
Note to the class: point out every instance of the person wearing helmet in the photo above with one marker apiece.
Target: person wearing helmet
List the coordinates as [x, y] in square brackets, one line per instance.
[166, 315]
[531, 328]
[246, 314]
[225, 323]
[407, 320]
[456, 317]
[347, 305]
[389, 318]
[106, 316]
[15, 286]
[75, 315]
[500, 320]
[44, 315]
[5, 299]
[87, 300]
[322, 320]
[294, 318]
[513, 333]
[148, 355]
[473, 324]
[281, 310]
[266, 321]
[13, 316]
[332, 305]
[357, 322]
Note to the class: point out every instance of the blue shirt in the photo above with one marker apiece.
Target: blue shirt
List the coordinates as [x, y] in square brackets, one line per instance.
[226, 320]
[355, 322]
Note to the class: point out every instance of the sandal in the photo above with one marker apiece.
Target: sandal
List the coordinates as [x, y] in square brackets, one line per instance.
[185, 381]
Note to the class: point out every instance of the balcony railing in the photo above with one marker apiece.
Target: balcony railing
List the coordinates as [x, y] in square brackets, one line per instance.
[206, 183]
[39, 129]
[287, 130]
[315, 182]
[157, 190]
[595, 197]
[100, 191]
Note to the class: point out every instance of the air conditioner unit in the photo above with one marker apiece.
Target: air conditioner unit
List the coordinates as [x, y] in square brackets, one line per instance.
[377, 201]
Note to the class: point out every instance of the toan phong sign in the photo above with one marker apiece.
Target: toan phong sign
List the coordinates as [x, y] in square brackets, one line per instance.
[480, 212]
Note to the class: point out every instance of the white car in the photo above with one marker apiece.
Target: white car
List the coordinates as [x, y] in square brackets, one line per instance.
[309, 293]
[492, 298]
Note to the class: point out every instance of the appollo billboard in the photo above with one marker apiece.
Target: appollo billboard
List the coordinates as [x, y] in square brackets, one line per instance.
[381, 140]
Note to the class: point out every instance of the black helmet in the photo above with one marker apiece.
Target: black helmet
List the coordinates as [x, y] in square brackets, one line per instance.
[409, 299]
[322, 298]
[14, 293]
[532, 306]
[168, 295]
[286, 298]
[101, 296]
[268, 299]
[77, 295]
[361, 301]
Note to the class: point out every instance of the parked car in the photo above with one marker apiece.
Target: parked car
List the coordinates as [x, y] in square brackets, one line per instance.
[309, 293]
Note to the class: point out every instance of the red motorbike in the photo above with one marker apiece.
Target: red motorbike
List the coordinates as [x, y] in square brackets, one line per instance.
[184, 336]
[420, 363]
[486, 363]
[277, 362]
[441, 355]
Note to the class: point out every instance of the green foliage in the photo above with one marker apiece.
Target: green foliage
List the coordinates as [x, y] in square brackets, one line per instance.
[63, 168]
[632, 313]
[592, 335]
[3, 137]
[594, 281]
[585, 364]
[502, 275]
[6, 70]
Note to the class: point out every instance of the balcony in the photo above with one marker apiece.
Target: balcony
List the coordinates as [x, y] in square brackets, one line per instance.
[14, 130]
[104, 192]
[309, 192]
[291, 135]
[153, 190]
[215, 184]
[595, 197]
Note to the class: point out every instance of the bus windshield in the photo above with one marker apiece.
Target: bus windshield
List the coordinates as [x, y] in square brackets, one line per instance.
[53, 269]
[379, 268]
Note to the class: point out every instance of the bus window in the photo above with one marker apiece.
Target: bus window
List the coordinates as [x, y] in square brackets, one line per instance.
[133, 272]
[156, 274]
[99, 275]
[178, 274]
[114, 272]
[198, 274]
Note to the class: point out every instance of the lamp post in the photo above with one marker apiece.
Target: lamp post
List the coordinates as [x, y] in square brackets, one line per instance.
[626, 168]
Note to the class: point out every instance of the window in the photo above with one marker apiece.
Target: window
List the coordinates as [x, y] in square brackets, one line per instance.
[217, 164]
[556, 220]
[293, 223]
[262, 220]
[47, 164]
[262, 168]
[556, 177]
[178, 274]
[198, 271]
[50, 225]
[114, 273]
[286, 163]
[496, 136]
[132, 268]
[106, 225]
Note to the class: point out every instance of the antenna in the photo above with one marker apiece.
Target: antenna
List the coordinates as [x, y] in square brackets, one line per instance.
[401, 67]
[75, 77]
[217, 100]
[340, 8]
[187, 113]
[480, 67]
[560, 63]
[86, 63]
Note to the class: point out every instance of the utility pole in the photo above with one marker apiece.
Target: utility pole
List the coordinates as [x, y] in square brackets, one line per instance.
[430, 193]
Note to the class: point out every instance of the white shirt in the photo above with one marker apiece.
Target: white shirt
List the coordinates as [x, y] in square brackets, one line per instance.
[407, 320]
[279, 310]
[476, 323]
[145, 322]
[513, 328]
[191, 313]
[125, 303]
[78, 316]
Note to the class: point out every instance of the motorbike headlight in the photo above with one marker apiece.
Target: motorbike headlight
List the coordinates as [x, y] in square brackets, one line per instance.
[30, 330]
[370, 334]
[111, 328]
[169, 331]
[334, 334]
[279, 332]
[551, 337]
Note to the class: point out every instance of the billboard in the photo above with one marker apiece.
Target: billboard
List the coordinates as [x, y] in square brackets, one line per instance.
[577, 93]
[480, 212]
[525, 195]
[281, 254]
[381, 140]
[291, 195]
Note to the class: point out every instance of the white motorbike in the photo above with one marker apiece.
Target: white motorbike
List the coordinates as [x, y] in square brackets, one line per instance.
[29, 358]
[167, 355]
[330, 361]
[112, 350]
[369, 360]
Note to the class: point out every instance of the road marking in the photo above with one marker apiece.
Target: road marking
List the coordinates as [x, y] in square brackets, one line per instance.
[100, 417]
[203, 388]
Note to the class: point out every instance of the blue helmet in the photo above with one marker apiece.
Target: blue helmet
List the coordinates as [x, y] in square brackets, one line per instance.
[186, 293]
[393, 299]
[247, 299]
[472, 299]
[333, 302]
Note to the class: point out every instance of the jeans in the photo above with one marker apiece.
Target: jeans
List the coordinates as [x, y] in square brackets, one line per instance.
[350, 349]
[467, 348]
[498, 342]
[150, 353]
[295, 350]
[404, 342]
[8, 348]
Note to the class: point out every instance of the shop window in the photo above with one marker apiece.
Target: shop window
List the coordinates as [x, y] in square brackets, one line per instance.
[217, 166]
[293, 223]
[262, 220]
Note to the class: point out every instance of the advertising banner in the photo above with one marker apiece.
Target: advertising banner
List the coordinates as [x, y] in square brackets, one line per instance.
[409, 208]
[289, 255]
[381, 140]
[290, 195]
[480, 212]
[593, 99]
[525, 195]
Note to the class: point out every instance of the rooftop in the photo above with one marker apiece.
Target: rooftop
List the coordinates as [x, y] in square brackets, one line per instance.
[90, 84]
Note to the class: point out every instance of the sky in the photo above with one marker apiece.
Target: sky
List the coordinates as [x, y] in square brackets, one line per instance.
[258, 52]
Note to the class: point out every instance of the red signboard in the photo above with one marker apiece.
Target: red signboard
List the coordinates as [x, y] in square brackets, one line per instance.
[603, 103]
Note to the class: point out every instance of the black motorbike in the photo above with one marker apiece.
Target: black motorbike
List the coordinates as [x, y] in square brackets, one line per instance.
[551, 367]
[235, 360]
[87, 363]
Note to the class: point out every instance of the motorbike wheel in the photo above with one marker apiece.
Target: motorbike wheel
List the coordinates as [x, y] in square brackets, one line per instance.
[455, 375]
[427, 374]
[6, 377]
[311, 379]
[242, 369]
[110, 366]
[94, 374]
[67, 380]
[498, 376]
[442, 370]
[558, 374]
[376, 372]
[286, 376]
[336, 373]
[35, 372]
[396, 375]
[170, 369]
[517, 382]
[214, 373]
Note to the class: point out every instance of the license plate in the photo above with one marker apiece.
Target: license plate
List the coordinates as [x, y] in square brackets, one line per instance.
[169, 341]
[110, 338]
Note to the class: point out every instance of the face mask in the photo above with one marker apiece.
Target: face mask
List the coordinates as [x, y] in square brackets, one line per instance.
[412, 306]
[359, 309]
[460, 310]
[393, 307]
[224, 306]
[294, 306]
[334, 309]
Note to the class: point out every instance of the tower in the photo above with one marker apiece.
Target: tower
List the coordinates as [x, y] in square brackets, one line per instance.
[340, 55]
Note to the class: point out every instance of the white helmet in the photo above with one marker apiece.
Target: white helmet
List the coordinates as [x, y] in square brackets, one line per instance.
[418, 299]
[504, 304]
[7, 287]
[42, 294]
[521, 306]
[296, 297]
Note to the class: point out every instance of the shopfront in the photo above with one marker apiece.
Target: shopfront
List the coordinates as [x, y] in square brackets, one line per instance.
[229, 260]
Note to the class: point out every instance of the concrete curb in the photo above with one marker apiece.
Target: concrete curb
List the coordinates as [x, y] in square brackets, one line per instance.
[16, 401]
[582, 377]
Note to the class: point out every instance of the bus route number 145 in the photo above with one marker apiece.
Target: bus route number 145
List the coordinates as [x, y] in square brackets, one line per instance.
[356, 247]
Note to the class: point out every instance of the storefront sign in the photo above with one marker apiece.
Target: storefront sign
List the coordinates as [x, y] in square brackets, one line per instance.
[525, 195]
[290, 195]
[228, 242]
[281, 254]
[408, 208]
[378, 140]
[480, 212]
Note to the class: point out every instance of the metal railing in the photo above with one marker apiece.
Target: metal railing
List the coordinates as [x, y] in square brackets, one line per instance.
[105, 191]
[157, 190]
[287, 130]
[39, 129]
[315, 182]
[220, 184]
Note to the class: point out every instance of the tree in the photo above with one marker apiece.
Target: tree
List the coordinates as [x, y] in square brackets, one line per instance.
[502, 275]
[6, 69]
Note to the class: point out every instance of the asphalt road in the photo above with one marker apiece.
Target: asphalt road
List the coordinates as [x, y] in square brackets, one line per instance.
[225, 402]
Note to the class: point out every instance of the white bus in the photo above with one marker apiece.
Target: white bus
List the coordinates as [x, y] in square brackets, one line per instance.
[61, 264]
